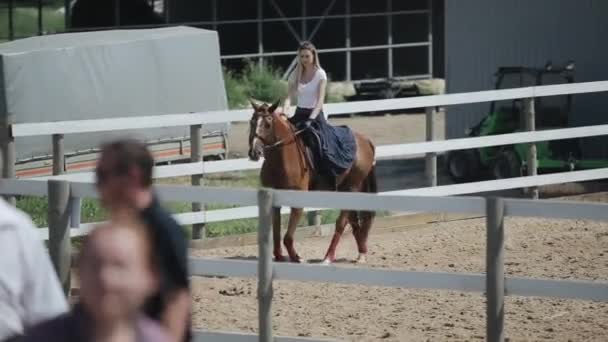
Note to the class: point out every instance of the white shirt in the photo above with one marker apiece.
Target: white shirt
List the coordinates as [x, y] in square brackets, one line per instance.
[29, 288]
[308, 93]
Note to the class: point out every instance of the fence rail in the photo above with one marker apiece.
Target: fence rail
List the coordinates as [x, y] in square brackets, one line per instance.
[246, 198]
[197, 167]
[382, 152]
[197, 118]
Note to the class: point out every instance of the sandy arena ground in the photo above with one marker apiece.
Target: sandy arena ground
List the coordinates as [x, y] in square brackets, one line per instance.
[558, 249]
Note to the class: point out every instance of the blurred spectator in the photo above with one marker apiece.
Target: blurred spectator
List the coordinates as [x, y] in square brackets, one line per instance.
[117, 272]
[30, 291]
[124, 180]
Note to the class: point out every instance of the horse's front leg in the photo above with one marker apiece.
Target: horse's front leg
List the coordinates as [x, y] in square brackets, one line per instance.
[294, 219]
[276, 234]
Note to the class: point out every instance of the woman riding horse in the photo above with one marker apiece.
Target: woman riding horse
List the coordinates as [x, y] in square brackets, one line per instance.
[333, 148]
[344, 157]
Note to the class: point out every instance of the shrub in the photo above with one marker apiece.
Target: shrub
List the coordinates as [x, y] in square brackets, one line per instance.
[262, 83]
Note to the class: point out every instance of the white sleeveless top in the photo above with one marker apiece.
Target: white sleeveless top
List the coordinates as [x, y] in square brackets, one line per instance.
[308, 93]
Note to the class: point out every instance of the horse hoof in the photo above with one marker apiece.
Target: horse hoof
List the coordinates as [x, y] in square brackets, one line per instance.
[296, 259]
[279, 258]
[326, 261]
[362, 259]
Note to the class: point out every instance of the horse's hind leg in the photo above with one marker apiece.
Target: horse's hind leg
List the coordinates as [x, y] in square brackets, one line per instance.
[341, 222]
[362, 233]
[294, 218]
[276, 234]
[359, 235]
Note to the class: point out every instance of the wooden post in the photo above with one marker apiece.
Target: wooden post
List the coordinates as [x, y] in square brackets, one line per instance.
[530, 119]
[389, 29]
[347, 41]
[40, 20]
[7, 157]
[265, 291]
[67, 14]
[59, 231]
[75, 211]
[196, 155]
[11, 19]
[260, 27]
[431, 157]
[116, 13]
[58, 154]
[495, 277]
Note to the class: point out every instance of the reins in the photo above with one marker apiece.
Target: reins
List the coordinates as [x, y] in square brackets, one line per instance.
[282, 142]
[278, 143]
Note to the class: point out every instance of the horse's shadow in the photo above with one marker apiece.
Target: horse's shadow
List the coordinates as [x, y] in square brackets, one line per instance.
[243, 258]
[307, 261]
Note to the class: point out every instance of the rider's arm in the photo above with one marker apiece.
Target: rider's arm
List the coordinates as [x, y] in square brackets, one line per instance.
[320, 100]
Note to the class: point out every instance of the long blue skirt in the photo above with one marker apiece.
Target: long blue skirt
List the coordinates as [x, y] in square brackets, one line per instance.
[338, 146]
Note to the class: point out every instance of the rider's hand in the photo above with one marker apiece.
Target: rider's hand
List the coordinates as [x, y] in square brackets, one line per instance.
[305, 124]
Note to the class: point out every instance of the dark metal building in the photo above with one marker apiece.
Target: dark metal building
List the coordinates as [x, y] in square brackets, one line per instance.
[481, 35]
[357, 39]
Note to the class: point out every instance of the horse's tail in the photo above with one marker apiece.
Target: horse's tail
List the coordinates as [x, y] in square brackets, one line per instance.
[371, 182]
[370, 185]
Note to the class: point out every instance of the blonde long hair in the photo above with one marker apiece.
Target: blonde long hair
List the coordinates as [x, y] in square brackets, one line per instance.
[296, 74]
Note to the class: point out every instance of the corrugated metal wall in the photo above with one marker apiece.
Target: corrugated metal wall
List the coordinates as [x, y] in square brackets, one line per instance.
[481, 35]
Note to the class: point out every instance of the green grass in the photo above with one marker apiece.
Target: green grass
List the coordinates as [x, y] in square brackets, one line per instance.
[92, 211]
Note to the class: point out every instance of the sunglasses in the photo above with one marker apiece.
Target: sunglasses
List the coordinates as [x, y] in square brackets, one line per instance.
[103, 175]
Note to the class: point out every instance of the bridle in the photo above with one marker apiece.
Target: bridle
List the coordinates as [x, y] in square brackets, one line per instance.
[279, 142]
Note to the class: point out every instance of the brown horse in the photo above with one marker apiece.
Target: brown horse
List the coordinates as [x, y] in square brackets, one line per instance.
[286, 167]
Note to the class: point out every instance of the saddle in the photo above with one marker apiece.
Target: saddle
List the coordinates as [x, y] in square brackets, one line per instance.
[313, 154]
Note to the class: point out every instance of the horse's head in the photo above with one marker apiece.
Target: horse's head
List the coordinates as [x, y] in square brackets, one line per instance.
[261, 128]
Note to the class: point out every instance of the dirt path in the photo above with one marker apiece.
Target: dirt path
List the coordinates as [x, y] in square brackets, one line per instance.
[559, 249]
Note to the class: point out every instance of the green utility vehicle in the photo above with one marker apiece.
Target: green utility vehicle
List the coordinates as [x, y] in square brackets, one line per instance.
[508, 116]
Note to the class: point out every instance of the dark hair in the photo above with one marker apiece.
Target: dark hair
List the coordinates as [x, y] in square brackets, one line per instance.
[129, 153]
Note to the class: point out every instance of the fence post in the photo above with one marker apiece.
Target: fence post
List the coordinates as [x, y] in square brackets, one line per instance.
[431, 157]
[7, 156]
[495, 276]
[59, 231]
[196, 155]
[58, 154]
[75, 211]
[530, 119]
[265, 291]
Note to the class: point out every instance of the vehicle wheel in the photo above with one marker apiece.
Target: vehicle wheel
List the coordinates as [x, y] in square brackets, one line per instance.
[463, 166]
[507, 165]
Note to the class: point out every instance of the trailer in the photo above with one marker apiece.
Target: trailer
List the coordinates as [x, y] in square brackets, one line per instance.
[111, 74]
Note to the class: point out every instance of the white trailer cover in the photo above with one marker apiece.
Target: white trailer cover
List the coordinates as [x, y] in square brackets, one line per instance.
[106, 74]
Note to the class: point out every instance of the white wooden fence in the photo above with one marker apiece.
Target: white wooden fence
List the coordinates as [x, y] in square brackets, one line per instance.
[494, 283]
[430, 148]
